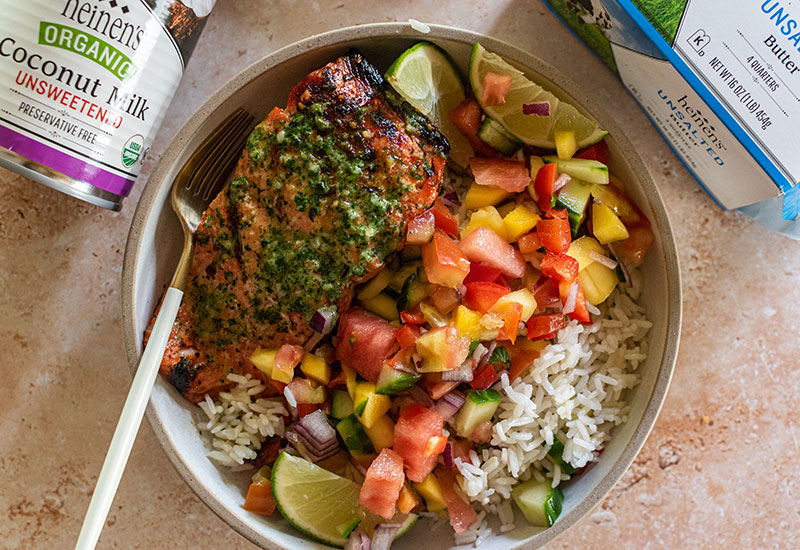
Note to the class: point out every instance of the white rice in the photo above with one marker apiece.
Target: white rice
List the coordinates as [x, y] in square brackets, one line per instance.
[574, 390]
[238, 423]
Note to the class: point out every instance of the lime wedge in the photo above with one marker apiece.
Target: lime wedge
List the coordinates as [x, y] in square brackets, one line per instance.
[427, 78]
[322, 505]
[531, 129]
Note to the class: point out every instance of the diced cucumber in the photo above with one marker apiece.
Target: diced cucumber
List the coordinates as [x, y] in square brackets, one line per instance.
[381, 305]
[540, 503]
[401, 276]
[556, 454]
[478, 408]
[413, 292]
[375, 286]
[341, 404]
[354, 436]
[392, 381]
[592, 171]
[498, 138]
[575, 198]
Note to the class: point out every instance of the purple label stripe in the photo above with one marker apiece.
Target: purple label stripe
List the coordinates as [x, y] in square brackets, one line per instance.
[64, 163]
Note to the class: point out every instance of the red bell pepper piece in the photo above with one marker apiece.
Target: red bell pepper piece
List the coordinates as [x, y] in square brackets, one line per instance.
[407, 335]
[479, 272]
[547, 294]
[581, 313]
[554, 234]
[543, 185]
[540, 326]
[307, 408]
[444, 219]
[466, 118]
[412, 316]
[598, 152]
[481, 296]
[559, 267]
[484, 377]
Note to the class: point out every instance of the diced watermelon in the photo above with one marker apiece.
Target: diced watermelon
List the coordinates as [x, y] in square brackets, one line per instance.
[414, 428]
[382, 484]
[462, 516]
[485, 246]
[508, 174]
[364, 341]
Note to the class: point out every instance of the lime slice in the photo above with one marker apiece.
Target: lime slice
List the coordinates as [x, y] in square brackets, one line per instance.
[322, 505]
[531, 129]
[427, 78]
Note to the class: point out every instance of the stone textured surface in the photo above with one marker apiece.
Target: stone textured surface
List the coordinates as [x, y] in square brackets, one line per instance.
[719, 469]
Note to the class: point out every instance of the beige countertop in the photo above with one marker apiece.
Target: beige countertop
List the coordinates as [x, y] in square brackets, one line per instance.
[720, 469]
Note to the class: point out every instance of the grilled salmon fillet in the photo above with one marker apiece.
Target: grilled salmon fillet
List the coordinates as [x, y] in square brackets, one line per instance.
[320, 199]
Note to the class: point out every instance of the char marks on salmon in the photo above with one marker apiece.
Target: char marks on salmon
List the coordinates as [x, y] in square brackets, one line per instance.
[319, 200]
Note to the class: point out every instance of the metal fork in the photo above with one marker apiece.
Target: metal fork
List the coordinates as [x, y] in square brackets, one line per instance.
[197, 183]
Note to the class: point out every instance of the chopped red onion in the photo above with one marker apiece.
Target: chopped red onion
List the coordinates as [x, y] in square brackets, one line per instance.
[477, 354]
[447, 455]
[572, 298]
[540, 108]
[461, 374]
[315, 429]
[487, 355]
[602, 259]
[451, 199]
[384, 536]
[450, 403]
[560, 182]
[358, 540]
[311, 343]
[420, 396]
[323, 319]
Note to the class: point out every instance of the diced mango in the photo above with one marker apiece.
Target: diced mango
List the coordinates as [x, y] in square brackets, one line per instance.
[529, 345]
[316, 368]
[598, 282]
[580, 248]
[381, 433]
[566, 145]
[519, 221]
[350, 381]
[407, 500]
[487, 217]
[467, 322]
[264, 359]
[606, 225]
[381, 305]
[369, 406]
[479, 196]
[431, 491]
[524, 297]
[536, 163]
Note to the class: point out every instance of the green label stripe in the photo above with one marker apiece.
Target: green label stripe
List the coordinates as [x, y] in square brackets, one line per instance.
[88, 46]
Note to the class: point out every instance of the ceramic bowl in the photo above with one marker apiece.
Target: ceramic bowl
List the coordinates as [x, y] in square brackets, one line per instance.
[155, 243]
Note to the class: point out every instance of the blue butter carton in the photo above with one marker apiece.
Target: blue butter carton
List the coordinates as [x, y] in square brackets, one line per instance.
[720, 79]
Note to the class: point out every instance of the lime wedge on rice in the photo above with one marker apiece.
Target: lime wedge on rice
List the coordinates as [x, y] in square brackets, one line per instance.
[427, 78]
[531, 129]
[321, 504]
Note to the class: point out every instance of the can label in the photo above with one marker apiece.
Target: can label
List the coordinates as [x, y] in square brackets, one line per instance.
[85, 84]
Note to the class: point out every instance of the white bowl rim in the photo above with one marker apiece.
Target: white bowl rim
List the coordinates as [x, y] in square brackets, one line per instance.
[403, 30]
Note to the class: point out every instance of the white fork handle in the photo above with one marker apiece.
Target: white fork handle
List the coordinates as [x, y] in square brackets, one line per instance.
[129, 421]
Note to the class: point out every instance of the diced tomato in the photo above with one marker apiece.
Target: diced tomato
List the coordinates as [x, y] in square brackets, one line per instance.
[279, 386]
[304, 391]
[634, 248]
[508, 174]
[559, 267]
[466, 118]
[420, 229]
[520, 361]
[479, 272]
[259, 498]
[484, 377]
[462, 516]
[381, 487]
[540, 326]
[546, 294]
[495, 88]
[407, 335]
[529, 242]
[543, 184]
[554, 234]
[414, 428]
[445, 299]
[364, 341]
[444, 262]
[307, 408]
[435, 445]
[560, 213]
[482, 296]
[287, 358]
[436, 386]
[482, 433]
[511, 314]
[485, 246]
[338, 380]
[598, 152]
[444, 219]
[460, 449]
[413, 316]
